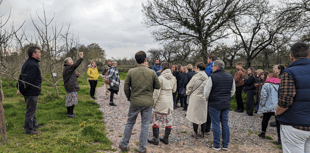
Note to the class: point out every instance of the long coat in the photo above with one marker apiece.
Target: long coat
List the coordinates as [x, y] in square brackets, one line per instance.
[163, 100]
[197, 110]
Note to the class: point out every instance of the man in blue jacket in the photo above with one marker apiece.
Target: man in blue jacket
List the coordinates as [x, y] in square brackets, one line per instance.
[211, 59]
[31, 74]
[293, 110]
[157, 67]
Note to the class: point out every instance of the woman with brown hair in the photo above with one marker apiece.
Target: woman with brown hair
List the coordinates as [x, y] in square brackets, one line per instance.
[198, 106]
[249, 86]
[163, 104]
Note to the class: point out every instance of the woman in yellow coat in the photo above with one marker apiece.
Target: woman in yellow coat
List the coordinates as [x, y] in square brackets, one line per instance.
[93, 77]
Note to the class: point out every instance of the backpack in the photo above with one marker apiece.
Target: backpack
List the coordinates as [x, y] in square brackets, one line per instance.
[21, 85]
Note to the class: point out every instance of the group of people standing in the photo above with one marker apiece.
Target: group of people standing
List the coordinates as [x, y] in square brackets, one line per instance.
[155, 94]
[208, 91]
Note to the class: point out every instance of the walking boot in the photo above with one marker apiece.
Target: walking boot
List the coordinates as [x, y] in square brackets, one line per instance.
[262, 134]
[155, 140]
[165, 139]
[112, 103]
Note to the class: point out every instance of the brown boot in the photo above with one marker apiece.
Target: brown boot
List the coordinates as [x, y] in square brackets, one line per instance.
[122, 149]
[33, 132]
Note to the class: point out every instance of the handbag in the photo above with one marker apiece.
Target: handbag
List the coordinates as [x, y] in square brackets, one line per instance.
[183, 92]
[106, 81]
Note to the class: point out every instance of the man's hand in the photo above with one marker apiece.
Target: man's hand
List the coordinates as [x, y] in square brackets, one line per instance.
[81, 54]
[78, 74]
[18, 92]
[159, 71]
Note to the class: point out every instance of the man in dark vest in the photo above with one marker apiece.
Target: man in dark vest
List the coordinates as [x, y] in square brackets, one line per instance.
[293, 110]
[219, 89]
[32, 76]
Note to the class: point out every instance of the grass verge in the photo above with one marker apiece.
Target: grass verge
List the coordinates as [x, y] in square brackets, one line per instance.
[84, 133]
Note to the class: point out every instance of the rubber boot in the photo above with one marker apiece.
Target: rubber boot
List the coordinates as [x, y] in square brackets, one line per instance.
[165, 139]
[155, 140]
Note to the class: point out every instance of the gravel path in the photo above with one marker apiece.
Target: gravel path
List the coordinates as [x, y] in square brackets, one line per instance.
[243, 130]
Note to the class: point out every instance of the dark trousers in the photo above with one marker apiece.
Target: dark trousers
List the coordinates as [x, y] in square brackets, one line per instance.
[93, 84]
[239, 98]
[70, 110]
[208, 123]
[203, 128]
[175, 99]
[266, 118]
[183, 101]
[111, 96]
[30, 117]
[250, 101]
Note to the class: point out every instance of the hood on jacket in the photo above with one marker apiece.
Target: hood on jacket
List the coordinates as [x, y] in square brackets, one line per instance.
[167, 74]
[167, 80]
[274, 80]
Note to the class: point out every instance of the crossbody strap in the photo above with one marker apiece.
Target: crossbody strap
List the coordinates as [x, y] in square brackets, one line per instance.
[274, 88]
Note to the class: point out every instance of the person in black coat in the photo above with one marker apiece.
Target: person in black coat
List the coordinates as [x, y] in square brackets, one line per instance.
[71, 83]
[182, 88]
[251, 90]
[31, 90]
[178, 76]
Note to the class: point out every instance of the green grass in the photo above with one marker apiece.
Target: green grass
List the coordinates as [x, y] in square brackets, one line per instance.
[59, 133]
[233, 101]
[268, 137]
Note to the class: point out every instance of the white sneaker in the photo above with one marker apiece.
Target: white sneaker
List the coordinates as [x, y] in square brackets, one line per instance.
[224, 149]
[217, 149]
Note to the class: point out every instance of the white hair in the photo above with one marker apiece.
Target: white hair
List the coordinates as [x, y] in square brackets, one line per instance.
[219, 63]
[68, 59]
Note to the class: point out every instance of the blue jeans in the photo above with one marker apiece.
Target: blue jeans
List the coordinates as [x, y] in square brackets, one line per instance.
[220, 117]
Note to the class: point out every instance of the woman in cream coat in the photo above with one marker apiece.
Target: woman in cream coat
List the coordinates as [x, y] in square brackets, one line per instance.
[198, 106]
[163, 104]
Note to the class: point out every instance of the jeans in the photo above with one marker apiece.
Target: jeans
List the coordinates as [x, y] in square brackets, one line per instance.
[250, 101]
[294, 140]
[239, 98]
[218, 118]
[93, 84]
[146, 113]
[30, 117]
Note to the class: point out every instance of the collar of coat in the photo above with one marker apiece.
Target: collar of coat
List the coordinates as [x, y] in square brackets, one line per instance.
[34, 59]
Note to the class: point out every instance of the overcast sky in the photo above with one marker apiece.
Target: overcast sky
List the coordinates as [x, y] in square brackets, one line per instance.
[116, 25]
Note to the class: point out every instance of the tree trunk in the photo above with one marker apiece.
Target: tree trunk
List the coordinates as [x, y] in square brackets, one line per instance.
[204, 53]
[248, 62]
[2, 119]
[55, 85]
[231, 63]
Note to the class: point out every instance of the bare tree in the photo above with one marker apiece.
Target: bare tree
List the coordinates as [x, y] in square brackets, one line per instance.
[258, 30]
[198, 21]
[54, 45]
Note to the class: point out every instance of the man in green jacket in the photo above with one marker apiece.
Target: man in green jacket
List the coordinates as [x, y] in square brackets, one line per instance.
[139, 86]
